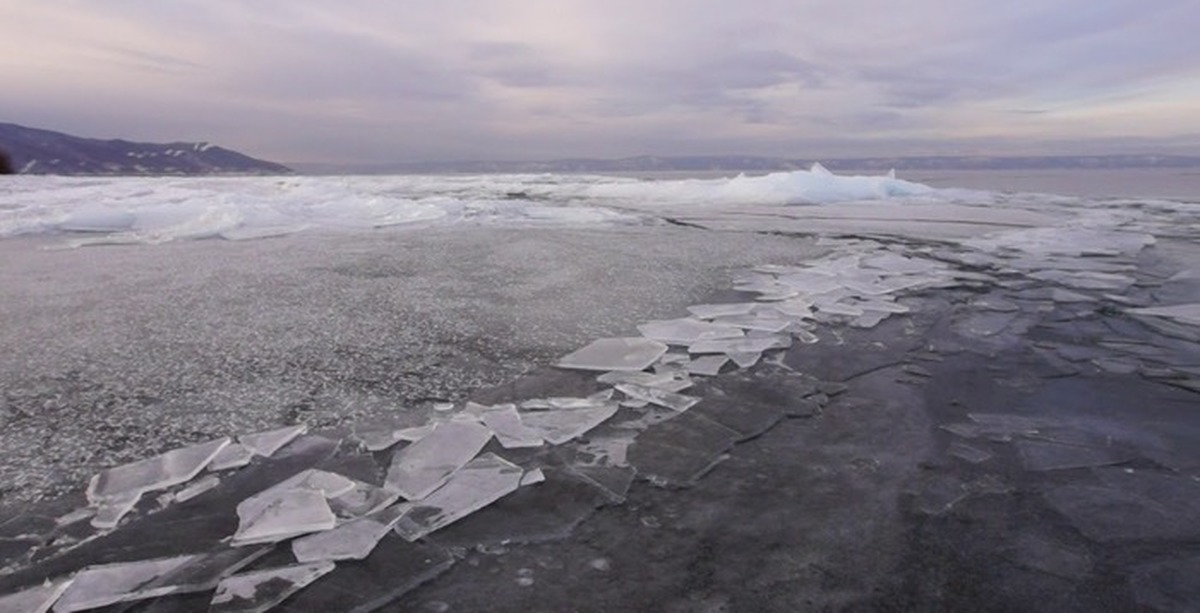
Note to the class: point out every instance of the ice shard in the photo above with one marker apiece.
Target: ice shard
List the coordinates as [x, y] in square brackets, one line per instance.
[709, 311]
[37, 599]
[110, 512]
[98, 586]
[154, 473]
[267, 443]
[615, 354]
[510, 431]
[261, 590]
[285, 515]
[740, 345]
[1182, 313]
[352, 540]
[686, 331]
[708, 366]
[425, 465]
[234, 455]
[363, 499]
[662, 398]
[670, 380]
[754, 321]
[197, 488]
[558, 426]
[745, 359]
[481, 482]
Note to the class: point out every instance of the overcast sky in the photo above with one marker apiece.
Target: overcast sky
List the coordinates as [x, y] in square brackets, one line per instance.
[372, 81]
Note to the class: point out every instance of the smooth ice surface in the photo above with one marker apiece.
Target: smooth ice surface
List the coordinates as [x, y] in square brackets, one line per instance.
[258, 591]
[481, 482]
[197, 488]
[154, 473]
[557, 426]
[709, 311]
[708, 365]
[615, 354]
[425, 465]
[97, 586]
[741, 345]
[669, 380]
[37, 599]
[111, 510]
[686, 331]
[352, 540]
[267, 443]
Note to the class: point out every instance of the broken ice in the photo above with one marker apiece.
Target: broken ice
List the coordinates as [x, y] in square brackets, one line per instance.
[353, 540]
[481, 482]
[154, 473]
[425, 465]
[663, 398]
[261, 590]
[615, 354]
[557, 426]
[686, 331]
[267, 443]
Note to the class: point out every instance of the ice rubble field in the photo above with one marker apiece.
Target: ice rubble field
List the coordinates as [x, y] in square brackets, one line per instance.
[129, 210]
[642, 424]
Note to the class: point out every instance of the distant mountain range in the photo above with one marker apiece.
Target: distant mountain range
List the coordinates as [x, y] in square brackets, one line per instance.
[651, 164]
[35, 151]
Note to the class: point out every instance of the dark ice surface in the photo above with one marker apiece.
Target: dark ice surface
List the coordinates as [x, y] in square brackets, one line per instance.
[947, 417]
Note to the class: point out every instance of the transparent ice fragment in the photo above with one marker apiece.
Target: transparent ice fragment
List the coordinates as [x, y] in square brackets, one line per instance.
[870, 319]
[259, 591]
[663, 398]
[754, 321]
[557, 426]
[378, 439]
[1062, 295]
[739, 345]
[839, 308]
[686, 331]
[352, 540]
[510, 431]
[197, 488]
[154, 473]
[110, 512]
[282, 516]
[615, 354]
[709, 365]
[669, 380]
[363, 499]
[709, 311]
[533, 477]
[267, 443]
[414, 433]
[37, 599]
[234, 455]
[97, 586]
[745, 359]
[425, 465]
[481, 482]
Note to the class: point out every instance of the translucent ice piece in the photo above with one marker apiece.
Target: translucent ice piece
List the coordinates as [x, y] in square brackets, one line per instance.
[739, 345]
[267, 443]
[709, 311]
[1062, 295]
[287, 514]
[663, 398]
[869, 319]
[364, 499]
[154, 473]
[510, 431]
[708, 366]
[481, 482]
[745, 359]
[533, 477]
[686, 331]
[261, 590]
[234, 455]
[379, 439]
[97, 586]
[840, 308]
[811, 281]
[558, 426]
[669, 380]
[37, 599]
[615, 354]
[415, 433]
[110, 512]
[1183, 313]
[753, 321]
[197, 488]
[425, 465]
[353, 540]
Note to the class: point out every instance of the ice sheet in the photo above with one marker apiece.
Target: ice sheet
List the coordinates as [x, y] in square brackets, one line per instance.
[631, 354]
[686, 331]
[234, 455]
[282, 516]
[425, 465]
[154, 473]
[267, 443]
[352, 540]
[481, 482]
[510, 431]
[261, 590]
[557, 426]
[37, 599]
[663, 398]
[97, 586]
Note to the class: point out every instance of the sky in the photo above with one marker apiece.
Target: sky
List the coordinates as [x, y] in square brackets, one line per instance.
[363, 81]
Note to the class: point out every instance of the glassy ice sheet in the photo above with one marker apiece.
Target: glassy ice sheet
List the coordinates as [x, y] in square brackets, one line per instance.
[37, 599]
[510, 431]
[557, 426]
[352, 540]
[615, 354]
[481, 482]
[154, 473]
[258, 591]
[267, 443]
[1183, 313]
[686, 331]
[663, 398]
[422, 467]
[97, 586]
[740, 345]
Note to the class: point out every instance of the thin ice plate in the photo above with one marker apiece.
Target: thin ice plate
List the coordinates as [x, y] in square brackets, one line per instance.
[481, 482]
[615, 354]
[422, 467]
[158, 472]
